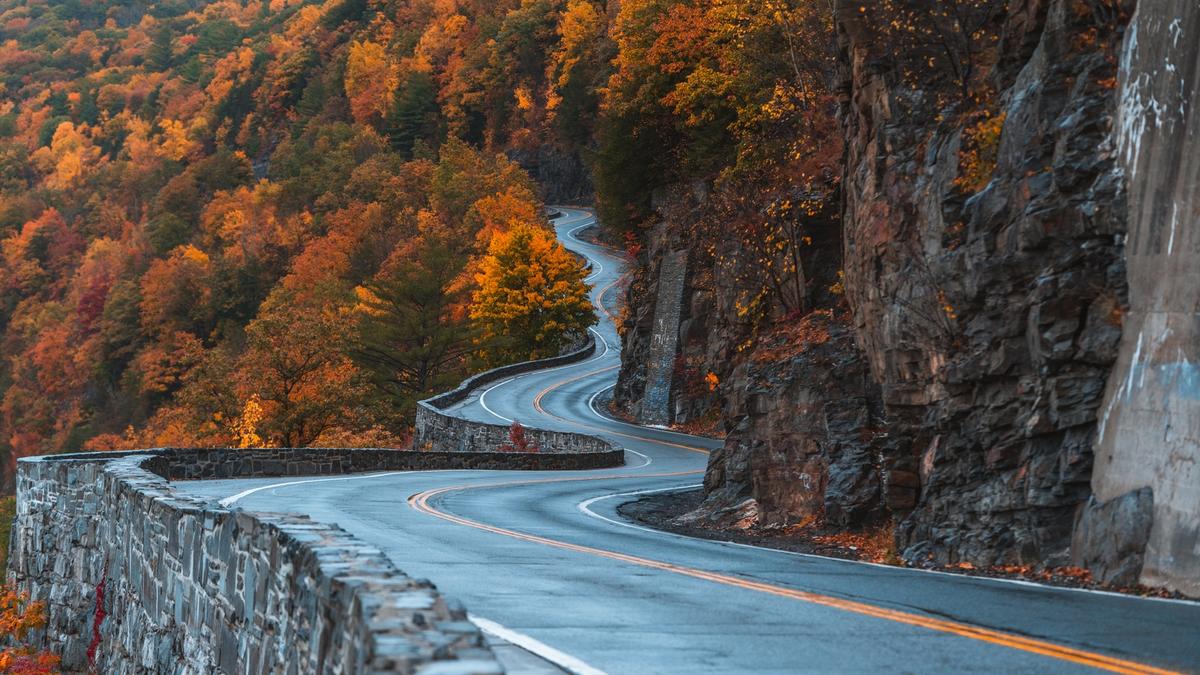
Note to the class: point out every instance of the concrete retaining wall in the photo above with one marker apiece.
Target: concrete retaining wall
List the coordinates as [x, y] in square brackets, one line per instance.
[188, 587]
[1146, 481]
[439, 431]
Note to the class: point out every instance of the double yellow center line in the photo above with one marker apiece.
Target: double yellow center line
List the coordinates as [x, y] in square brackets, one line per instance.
[420, 502]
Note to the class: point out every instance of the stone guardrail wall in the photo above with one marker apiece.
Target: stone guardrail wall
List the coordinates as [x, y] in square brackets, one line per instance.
[161, 582]
[438, 431]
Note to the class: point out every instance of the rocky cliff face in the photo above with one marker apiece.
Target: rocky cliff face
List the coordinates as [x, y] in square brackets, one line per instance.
[562, 175]
[807, 437]
[960, 387]
[990, 314]
[706, 330]
[982, 241]
[806, 433]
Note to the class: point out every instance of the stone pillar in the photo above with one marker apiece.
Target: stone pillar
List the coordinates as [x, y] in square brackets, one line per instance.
[664, 340]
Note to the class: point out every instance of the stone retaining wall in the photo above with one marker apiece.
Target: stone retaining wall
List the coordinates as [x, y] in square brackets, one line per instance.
[188, 587]
[438, 431]
[664, 340]
[202, 463]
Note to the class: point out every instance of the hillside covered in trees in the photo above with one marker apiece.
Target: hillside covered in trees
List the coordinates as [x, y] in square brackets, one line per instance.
[250, 222]
[237, 223]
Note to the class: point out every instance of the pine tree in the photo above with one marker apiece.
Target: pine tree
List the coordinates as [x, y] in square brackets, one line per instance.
[410, 339]
[414, 115]
[158, 57]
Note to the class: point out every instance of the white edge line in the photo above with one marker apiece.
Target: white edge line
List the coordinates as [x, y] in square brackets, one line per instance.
[591, 404]
[644, 464]
[501, 383]
[233, 499]
[597, 265]
[537, 647]
[483, 402]
[583, 507]
[228, 501]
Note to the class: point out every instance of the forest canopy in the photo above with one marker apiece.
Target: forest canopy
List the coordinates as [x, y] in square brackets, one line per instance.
[283, 222]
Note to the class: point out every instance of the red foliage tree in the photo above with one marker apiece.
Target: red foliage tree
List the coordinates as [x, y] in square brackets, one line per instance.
[518, 441]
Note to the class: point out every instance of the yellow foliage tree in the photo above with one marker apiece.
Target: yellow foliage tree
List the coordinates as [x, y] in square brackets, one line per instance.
[245, 426]
[69, 157]
[176, 145]
[370, 80]
[531, 299]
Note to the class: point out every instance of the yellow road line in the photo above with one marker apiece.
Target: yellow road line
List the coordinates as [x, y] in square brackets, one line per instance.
[420, 502]
[537, 405]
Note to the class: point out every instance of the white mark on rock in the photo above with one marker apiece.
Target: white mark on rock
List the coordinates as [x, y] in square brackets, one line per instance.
[1133, 366]
[1174, 223]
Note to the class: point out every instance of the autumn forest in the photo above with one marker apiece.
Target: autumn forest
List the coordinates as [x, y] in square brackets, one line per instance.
[244, 223]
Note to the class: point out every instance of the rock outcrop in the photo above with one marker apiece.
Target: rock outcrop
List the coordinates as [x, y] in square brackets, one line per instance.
[975, 399]
[807, 438]
[990, 314]
[678, 320]
[806, 433]
[562, 175]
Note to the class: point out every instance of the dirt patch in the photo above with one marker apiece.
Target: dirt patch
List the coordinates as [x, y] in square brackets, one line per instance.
[660, 511]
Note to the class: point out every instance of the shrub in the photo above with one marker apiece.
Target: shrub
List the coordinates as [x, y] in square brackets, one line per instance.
[518, 441]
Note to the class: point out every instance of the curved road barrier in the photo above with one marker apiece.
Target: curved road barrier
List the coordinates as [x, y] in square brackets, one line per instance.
[441, 431]
[138, 577]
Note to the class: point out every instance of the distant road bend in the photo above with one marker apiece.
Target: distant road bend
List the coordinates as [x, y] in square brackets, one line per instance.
[545, 561]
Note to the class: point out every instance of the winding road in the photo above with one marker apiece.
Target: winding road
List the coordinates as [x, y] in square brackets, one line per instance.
[544, 561]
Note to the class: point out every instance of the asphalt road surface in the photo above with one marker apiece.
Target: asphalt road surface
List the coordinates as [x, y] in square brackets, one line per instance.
[544, 560]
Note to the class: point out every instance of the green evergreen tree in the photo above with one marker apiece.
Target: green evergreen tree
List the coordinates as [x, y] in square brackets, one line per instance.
[158, 57]
[410, 339]
[414, 115]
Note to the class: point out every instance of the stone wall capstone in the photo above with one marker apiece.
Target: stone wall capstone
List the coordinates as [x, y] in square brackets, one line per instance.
[190, 587]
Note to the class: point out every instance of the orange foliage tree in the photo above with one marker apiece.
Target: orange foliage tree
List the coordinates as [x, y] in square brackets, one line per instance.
[295, 363]
[18, 617]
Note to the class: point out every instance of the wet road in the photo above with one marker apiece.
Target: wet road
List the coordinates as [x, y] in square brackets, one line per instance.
[546, 557]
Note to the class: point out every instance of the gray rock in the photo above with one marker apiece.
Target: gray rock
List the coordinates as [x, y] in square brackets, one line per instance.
[1110, 537]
